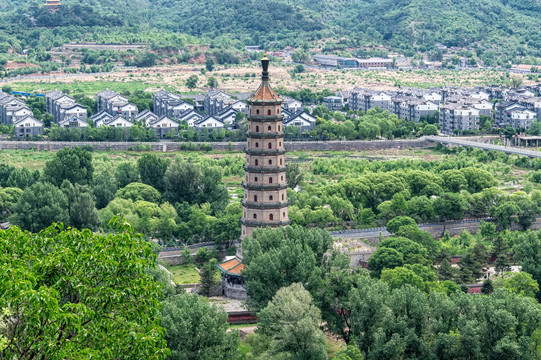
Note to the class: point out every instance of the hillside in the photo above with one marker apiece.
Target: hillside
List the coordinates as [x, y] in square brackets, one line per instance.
[497, 31]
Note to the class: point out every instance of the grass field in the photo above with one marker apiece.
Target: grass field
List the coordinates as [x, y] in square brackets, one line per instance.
[184, 274]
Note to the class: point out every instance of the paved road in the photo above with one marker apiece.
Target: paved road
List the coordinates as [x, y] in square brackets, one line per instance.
[466, 143]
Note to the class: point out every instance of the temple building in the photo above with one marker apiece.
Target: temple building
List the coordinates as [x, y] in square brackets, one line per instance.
[265, 187]
[232, 284]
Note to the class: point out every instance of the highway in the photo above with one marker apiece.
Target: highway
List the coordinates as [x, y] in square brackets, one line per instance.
[489, 147]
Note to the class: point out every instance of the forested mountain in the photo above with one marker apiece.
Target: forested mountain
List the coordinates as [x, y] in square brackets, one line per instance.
[494, 29]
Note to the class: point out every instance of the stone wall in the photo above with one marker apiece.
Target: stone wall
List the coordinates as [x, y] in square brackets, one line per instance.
[222, 146]
[436, 230]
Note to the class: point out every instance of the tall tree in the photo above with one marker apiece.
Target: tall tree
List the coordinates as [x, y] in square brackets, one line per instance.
[39, 206]
[81, 206]
[195, 330]
[276, 258]
[209, 278]
[528, 255]
[58, 302]
[501, 250]
[126, 173]
[292, 322]
[152, 170]
[74, 165]
[104, 189]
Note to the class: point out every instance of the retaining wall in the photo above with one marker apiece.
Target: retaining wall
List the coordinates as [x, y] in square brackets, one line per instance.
[221, 146]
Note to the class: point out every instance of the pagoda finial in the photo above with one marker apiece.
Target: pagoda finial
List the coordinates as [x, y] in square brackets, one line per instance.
[265, 64]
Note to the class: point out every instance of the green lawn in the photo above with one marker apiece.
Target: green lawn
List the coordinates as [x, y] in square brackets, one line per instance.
[184, 274]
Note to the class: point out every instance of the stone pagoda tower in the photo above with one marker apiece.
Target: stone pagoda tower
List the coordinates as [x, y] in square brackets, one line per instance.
[265, 187]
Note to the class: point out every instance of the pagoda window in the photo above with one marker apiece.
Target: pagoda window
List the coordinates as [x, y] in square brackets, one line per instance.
[284, 214]
[270, 162]
[255, 216]
[271, 217]
[257, 129]
[270, 198]
[278, 111]
[255, 179]
[280, 161]
[282, 197]
[279, 127]
[268, 112]
[255, 198]
[280, 143]
[257, 111]
[270, 146]
[282, 178]
[269, 128]
[256, 162]
[270, 180]
[256, 145]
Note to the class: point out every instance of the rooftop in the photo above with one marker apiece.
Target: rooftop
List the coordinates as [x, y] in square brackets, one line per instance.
[231, 266]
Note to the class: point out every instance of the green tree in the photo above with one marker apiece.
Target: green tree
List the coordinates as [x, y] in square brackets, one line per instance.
[394, 225]
[488, 287]
[454, 181]
[334, 300]
[139, 191]
[506, 214]
[191, 83]
[450, 206]
[39, 206]
[81, 206]
[472, 263]
[195, 330]
[400, 276]
[20, 178]
[60, 290]
[182, 182]
[186, 254]
[446, 270]
[430, 130]
[292, 322]
[209, 278]
[349, 353]
[209, 64]
[528, 254]
[384, 258]
[8, 199]
[478, 179]
[126, 173]
[516, 81]
[501, 250]
[74, 165]
[212, 82]
[520, 283]
[104, 189]
[294, 175]
[152, 170]
[276, 258]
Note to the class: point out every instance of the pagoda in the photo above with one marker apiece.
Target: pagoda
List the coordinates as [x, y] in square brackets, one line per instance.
[265, 187]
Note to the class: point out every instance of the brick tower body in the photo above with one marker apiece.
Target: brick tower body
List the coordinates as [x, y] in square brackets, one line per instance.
[265, 187]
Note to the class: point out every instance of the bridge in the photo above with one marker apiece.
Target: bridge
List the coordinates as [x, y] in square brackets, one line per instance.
[487, 147]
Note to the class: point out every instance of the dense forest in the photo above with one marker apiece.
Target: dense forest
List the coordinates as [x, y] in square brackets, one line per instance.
[496, 31]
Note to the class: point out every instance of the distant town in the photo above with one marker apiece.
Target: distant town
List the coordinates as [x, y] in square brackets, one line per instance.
[455, 110]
